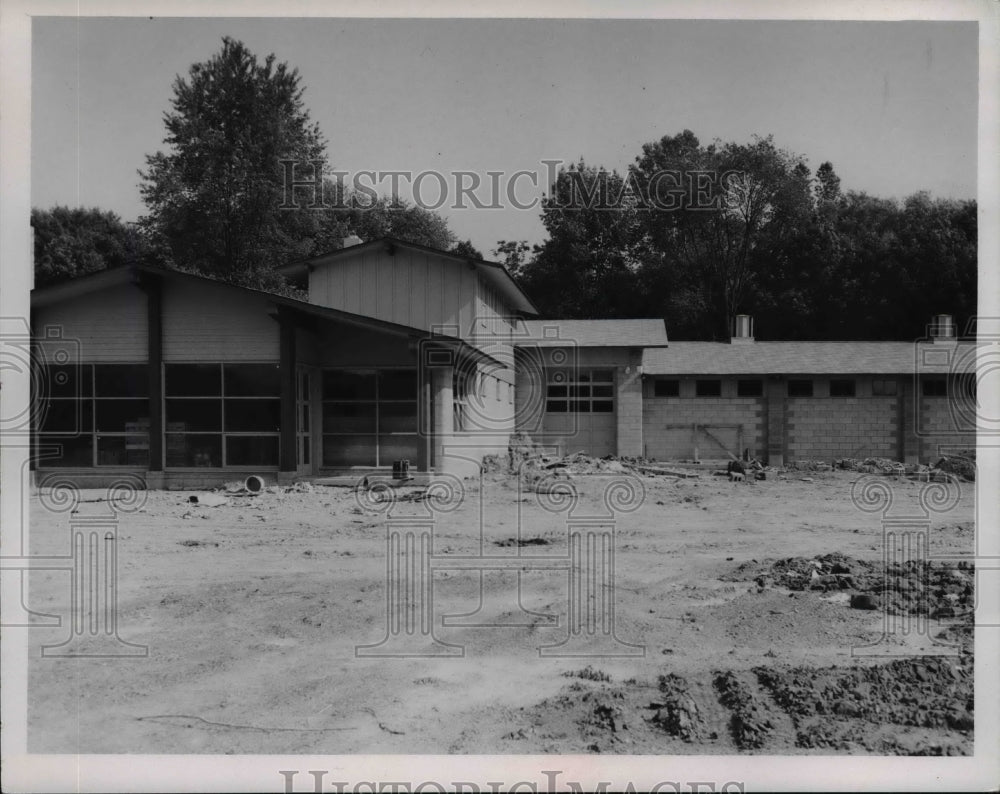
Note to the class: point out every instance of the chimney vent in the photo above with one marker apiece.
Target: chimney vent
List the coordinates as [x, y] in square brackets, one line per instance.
[942, 328]
[742, 330]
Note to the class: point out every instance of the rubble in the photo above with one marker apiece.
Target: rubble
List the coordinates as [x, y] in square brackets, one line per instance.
[208, 499]
[808, 465]
[521, 542]
[924, 692]
[963, 465]
[678, 713]
[912, 587]
[750, 723]
[535, 462]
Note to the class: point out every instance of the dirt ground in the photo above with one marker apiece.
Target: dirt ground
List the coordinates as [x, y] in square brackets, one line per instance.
[252, 611]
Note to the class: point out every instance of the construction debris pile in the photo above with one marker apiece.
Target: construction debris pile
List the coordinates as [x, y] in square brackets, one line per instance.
[962, 466]
[538, 465]
[914, 587]
[809, 465]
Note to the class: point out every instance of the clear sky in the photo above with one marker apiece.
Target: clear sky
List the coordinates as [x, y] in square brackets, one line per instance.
[892, 104]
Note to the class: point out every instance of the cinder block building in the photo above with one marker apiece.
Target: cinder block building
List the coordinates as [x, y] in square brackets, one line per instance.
[398, 351]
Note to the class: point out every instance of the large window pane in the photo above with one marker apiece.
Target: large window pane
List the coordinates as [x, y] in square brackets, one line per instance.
[357, 450]
[392, 448]
[252, 380]
[190, 451]
[188, 415]
[263, 416]
[68, 417]
[123, 451]
[397, 418]
[398, 384]
[113, 416]
[251, 450]
[192, 380]
[348, 384]
[75, 451]
[121, 380]
[348, 417]
[69, 380]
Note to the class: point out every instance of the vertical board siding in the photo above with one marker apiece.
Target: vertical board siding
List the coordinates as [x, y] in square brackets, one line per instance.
[108, 326]
[410, 288]
[204, 322]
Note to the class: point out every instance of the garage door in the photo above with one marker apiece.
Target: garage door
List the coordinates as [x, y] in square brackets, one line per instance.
[580, 411]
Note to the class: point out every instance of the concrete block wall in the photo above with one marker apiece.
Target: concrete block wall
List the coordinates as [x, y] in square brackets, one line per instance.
[827, 428]
[629, 406]
[942, 427]
[663, 441]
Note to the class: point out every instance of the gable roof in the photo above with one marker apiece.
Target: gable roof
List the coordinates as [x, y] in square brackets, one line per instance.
[797, 358]
[495, 274]
[132, 274]
[592, 333]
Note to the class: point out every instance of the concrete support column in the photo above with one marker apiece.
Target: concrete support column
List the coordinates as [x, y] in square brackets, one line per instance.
[628, 406]
[287, 442]
[443, 426]
[906, 411]
[776, 398]
[154, 358]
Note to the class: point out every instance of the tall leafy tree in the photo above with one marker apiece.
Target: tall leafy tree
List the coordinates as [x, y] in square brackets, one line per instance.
[345, 212]
[515, 255]
[466, 248]
[729, 211]
[214, 195]
[587, 266]
[71, 242]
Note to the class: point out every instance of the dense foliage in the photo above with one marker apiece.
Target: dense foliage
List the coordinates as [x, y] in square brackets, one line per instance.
[696, 234]
[692, 233]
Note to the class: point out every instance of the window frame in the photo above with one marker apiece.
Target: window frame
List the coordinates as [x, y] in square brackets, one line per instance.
[376, 401]
[674, 383]
[758, 390]
[574, 396]
[222, 433]
[880, 387]
[801, 382]
[933, 386]
[92, 400]
[848, 387]
[703, 383]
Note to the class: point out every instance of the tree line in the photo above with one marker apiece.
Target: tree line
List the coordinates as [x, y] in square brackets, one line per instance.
[694, 233]
[747, 228]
